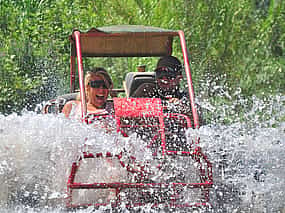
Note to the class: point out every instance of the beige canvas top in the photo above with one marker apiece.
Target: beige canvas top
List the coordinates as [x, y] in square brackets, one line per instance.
[125, 41]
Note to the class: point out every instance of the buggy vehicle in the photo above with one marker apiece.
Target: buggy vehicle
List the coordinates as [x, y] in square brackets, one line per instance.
[179, 175]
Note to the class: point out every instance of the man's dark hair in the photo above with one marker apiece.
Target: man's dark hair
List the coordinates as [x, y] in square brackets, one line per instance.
[171, 62]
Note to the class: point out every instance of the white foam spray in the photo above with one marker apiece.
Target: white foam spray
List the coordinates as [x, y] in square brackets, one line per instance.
[36, 152]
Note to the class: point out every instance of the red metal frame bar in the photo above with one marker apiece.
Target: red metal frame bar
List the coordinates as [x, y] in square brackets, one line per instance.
[204, 168]
[205, 184]
[141, 107]
[189, 79]
[80, 74]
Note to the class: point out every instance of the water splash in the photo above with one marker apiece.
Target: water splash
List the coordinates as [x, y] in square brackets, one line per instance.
[248, 166]
[247, 154]
[36, 152]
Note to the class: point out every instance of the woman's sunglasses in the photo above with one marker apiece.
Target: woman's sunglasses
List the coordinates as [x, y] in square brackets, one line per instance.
[97, 84]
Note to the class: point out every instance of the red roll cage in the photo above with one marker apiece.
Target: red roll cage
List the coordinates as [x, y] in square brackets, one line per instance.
[136, 41]
[126, 41]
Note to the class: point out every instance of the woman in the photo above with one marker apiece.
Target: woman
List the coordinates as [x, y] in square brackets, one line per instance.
[97, 87]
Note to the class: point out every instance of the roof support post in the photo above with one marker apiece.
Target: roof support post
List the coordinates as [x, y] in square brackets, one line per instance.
[80, 74]
[189, 78]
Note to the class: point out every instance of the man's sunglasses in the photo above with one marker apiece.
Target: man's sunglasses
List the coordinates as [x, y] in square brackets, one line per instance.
[165, 72]
[97, 84]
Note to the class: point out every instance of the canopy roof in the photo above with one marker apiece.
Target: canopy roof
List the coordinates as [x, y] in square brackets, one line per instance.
[125, 40]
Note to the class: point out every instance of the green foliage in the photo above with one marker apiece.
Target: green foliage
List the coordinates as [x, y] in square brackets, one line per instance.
[240, 44]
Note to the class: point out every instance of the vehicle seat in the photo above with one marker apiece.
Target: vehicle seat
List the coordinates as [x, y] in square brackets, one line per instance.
[140, 84]
[56, 105]
[67, 97]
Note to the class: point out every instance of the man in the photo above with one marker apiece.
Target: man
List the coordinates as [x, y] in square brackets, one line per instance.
[168, 75]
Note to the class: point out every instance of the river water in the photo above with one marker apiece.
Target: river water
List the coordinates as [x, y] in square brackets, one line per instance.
[36, 152]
